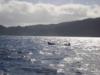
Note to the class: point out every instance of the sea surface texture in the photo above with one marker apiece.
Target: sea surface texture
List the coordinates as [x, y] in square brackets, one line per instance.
[37, 55]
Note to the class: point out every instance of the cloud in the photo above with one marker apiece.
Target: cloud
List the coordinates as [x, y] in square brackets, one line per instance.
[15, 12]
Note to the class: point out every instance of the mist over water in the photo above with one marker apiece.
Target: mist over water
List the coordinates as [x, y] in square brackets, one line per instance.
[31, 55]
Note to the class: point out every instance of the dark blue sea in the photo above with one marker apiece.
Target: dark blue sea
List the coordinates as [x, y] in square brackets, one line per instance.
[32, 55]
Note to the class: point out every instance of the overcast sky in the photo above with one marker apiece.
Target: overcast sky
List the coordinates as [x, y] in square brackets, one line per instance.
[31, 12]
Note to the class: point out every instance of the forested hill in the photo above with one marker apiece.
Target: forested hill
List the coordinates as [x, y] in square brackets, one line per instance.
[87, 27]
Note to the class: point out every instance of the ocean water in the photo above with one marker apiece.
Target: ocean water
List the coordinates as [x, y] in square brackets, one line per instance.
[31, 55]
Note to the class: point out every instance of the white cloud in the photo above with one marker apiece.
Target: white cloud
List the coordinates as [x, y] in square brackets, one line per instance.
[15, 12]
